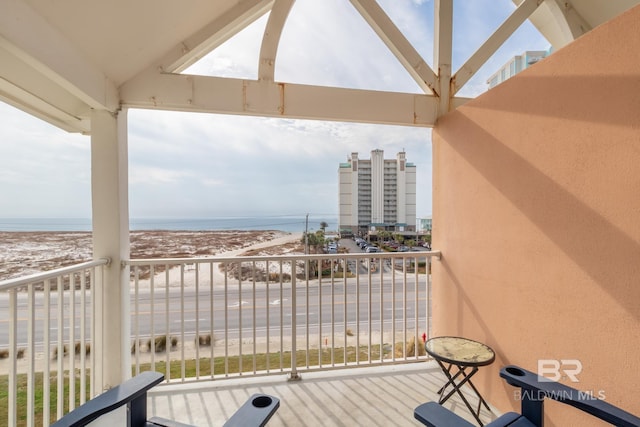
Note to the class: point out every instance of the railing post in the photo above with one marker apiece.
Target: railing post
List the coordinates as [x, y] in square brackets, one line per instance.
[293, 376]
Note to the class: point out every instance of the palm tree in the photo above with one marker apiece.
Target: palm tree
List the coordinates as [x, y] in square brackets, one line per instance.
[323, 225]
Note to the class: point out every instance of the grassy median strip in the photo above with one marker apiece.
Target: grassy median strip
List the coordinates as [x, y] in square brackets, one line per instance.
[221, 367]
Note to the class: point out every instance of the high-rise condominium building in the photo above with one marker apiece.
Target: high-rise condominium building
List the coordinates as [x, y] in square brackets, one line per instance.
[517, 64]
[377, 194]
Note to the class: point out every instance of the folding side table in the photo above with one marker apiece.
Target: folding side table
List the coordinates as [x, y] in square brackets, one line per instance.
[466, 356]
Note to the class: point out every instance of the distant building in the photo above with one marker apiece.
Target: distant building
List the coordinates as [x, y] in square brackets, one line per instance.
[377, 194]
[517, 64]
[423, 225]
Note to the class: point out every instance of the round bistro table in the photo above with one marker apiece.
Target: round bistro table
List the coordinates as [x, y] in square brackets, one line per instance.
[466, 356]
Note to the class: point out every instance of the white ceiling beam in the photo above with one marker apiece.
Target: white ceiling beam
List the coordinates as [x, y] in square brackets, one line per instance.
[218, 31]
[29, 80]
[29, 37]
[493, 43]
[38, 107]
[271, 38]
[442, 51]
[271, 99]
[398, 44]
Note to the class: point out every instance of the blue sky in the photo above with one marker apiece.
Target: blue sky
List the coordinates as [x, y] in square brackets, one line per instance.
[202, 165]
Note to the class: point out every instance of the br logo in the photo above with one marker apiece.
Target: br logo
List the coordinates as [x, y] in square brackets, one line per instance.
[554, 370]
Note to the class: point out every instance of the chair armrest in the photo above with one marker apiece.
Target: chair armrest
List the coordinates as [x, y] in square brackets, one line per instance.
[163, 422]
[131, 392]
[433, 414]
[256, 411]
[535, 389]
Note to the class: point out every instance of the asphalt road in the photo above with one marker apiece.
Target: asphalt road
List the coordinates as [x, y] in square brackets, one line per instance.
[187, 312]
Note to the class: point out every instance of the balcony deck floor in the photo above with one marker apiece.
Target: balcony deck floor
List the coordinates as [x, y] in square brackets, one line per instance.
[376, 396]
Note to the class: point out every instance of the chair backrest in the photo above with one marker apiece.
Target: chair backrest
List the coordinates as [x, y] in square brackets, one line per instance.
[534, 389]
[256, 411]
[132, 392]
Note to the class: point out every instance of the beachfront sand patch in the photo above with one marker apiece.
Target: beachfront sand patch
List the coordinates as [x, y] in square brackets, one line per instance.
[26, 253]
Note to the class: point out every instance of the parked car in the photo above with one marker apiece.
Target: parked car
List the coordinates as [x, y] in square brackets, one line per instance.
[372, 249]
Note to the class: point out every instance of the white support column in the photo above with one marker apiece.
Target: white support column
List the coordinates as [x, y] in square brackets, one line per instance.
[442, 51]
[109, 189]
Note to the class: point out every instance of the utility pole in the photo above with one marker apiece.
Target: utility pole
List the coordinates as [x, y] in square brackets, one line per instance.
[306, 235]
[306, 250]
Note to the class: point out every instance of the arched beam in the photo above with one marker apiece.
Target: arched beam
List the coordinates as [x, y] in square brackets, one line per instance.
[271, 39]
[206, 39]
[571, 24]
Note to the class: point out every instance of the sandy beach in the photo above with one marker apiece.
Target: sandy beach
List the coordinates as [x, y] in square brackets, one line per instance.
[26, 253]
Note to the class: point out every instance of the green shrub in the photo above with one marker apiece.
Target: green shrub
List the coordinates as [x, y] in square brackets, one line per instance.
[161, 343]
[204, 340]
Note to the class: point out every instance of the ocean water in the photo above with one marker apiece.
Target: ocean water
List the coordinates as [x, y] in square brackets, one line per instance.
[283, 223]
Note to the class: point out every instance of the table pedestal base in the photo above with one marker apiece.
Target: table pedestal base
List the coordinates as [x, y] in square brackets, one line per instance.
[466, 379]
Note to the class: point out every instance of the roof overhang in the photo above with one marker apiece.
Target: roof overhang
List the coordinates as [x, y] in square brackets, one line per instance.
[61, 60]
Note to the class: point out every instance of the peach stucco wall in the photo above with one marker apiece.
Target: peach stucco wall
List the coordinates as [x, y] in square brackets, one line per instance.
[537, 214]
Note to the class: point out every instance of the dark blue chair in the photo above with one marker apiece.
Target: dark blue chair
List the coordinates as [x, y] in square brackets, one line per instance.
[256, 411]
[534, 390]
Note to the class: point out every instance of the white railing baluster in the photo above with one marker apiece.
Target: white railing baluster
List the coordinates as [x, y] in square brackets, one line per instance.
[357, 264]
[240, 328]
[306, 304]
[393, 316]
[60, 354]
[294, 323]
[381, 283]
[167, 331]
[211, 317]
[333, 313]
[226, 320]
[170, 344]
[268, 319]
[370, 314]
[13, 366]
[320, 349]
[72, 340]
[83, 338]
[46, 376]
[31, 315]
[282, 314]
[253, 317]
[152, 305]
[427, 302]
[415, 308]
[136, 320]
[344, 313]
[197, 319]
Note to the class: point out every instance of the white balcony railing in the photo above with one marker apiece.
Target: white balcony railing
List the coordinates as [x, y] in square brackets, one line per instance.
[48, 334]
[211, 318]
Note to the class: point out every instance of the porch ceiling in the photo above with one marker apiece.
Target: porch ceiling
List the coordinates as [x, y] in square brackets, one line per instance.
[59, 60]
